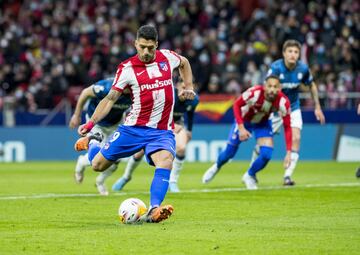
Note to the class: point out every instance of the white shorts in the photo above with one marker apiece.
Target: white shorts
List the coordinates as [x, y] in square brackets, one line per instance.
[295, 121]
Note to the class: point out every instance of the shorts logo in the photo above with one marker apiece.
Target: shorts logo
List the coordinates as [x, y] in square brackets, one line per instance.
[115, 136]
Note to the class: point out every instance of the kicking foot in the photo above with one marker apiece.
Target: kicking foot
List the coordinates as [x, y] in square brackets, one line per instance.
[210, 173]
[83, 142]
[249, 181]
[288, 181]
[173, 187]
[158, 214]
[119, 184]
[102, 189]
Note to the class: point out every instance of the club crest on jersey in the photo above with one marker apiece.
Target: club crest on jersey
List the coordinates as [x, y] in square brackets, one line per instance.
[281, 76]
[299, 76]
[163, 66]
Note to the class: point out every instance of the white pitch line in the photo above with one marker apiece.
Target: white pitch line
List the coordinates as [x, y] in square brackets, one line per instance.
[53, 195]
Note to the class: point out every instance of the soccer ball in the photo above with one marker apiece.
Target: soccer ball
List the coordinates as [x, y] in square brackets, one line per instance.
[131, 210]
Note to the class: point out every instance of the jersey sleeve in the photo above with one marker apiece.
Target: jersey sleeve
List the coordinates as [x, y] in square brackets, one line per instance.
[122, 76]
[190, 110]
[246, 98]
[285, 111]
[173, 57]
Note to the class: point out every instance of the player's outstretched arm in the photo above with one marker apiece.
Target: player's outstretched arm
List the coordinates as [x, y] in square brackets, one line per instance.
[102, 109]
[84, 95]
[315, 95]
[187, 77]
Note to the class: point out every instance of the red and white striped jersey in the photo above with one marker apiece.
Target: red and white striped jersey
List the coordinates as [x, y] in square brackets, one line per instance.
[252, 107]
[151, 88]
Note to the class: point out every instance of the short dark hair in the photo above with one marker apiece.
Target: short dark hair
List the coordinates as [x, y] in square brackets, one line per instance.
[272, 76]
[291, 43]
[148, 32]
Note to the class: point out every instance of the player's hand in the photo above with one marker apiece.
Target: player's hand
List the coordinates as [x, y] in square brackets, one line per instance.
[85, 128]
[287, 159]
[358, 110]
[320, 116]
[187, 94]
[244, 134]
[74, 121]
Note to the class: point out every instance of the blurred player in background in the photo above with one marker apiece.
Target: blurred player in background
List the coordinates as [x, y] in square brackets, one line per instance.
[293, 73]
[182, 136]
[93, 94]
[149, 124]
[252, 110]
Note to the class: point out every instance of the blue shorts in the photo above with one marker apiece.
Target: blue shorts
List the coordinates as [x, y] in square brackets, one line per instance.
[127, 140]
[260, 130]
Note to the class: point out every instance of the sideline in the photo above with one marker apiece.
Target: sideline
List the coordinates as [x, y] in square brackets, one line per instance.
[54, 195]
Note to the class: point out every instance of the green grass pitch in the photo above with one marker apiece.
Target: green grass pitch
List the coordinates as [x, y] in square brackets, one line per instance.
[42, 211]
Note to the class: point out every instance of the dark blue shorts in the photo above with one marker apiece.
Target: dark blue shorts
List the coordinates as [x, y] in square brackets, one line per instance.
[127, 140]
[260, 130]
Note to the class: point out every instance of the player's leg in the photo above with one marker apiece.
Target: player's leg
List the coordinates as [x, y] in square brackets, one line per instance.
[131, 165]
[225, 155]
[296, 126]
[181, 141]
[263, 135]
[276, 123]
[101, 178]
[81, 163]
[160, 152]
[163, 161]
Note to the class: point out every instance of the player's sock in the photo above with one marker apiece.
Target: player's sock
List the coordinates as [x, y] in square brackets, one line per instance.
[226, 154]
[264, 157]
[159, 186]
[177, 166]
[94, 148]
[255, 154]
[294, 159]
[104, 175]
[130, 167]
[82, 162]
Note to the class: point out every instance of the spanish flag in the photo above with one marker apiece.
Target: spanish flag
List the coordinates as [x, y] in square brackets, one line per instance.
[214, 106]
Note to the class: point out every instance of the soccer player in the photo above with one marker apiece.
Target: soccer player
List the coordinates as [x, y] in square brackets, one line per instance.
[293, 73]
[252, 110]
[182, 136]
[93, 94]
[149, 124]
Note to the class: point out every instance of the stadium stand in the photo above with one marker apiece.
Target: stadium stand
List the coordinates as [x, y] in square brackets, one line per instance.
[50, 49]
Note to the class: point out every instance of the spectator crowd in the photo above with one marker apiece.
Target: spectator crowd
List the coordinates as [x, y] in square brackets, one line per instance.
[48, 47]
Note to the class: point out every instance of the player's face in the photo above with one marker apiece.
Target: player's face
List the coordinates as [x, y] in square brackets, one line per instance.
[272, 89]
[146, 49]
[291, 55]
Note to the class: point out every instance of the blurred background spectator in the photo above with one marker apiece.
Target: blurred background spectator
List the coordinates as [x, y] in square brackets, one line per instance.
[47, 47]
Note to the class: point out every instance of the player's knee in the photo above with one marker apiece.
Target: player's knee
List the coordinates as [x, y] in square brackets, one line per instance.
[97, 166]
[295, 138]
[266, 152]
